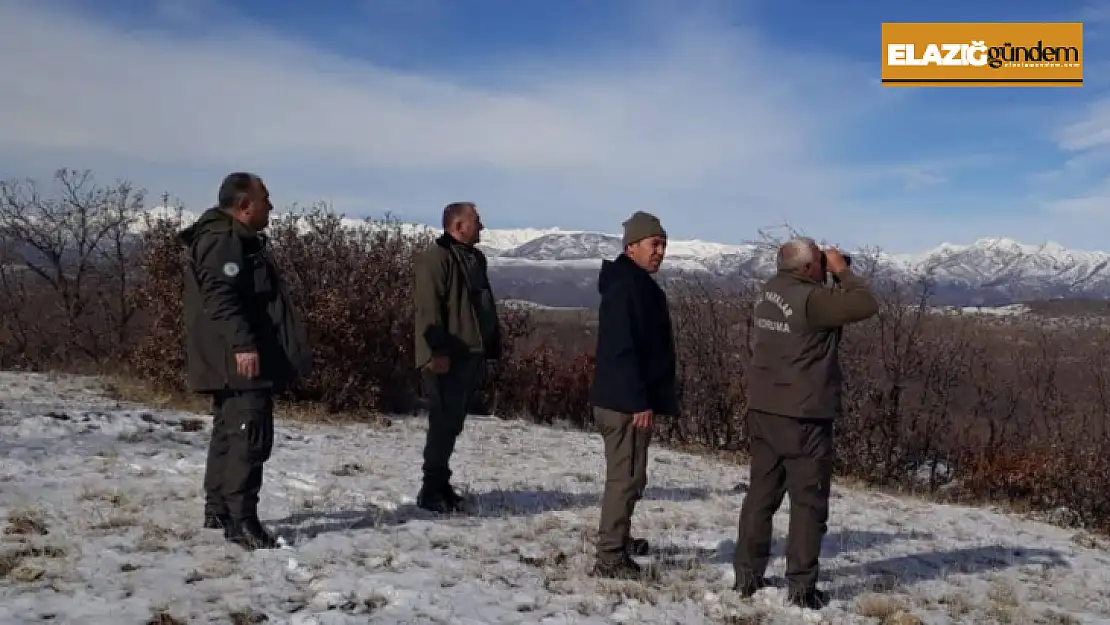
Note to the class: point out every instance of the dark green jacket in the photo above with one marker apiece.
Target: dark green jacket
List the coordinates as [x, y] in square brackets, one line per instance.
[453, 302]
[235, 301]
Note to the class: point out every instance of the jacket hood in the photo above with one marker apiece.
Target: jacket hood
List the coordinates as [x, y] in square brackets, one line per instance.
[621, 269]
[213, 220]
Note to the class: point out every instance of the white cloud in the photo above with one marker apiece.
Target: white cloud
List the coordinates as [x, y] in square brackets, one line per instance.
[1088, 131]
[695, 111]
[1079, 188]
[718, 117]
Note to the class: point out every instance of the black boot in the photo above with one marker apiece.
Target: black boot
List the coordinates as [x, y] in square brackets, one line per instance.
[439, 499]
[452, 499]
[216, 520]
[638, 547]
[812, 598]
[249, 534]
[748, 585]
[431, 499]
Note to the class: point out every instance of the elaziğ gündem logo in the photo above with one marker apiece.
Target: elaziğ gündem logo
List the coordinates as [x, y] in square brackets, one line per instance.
[983, 54]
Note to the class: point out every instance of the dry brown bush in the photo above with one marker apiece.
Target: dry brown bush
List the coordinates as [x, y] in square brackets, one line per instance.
[967, 406]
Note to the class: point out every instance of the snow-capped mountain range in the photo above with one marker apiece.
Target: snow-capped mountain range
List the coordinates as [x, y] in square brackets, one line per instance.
[987, 271]
[559, 267]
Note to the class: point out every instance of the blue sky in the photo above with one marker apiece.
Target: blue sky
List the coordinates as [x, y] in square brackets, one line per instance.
[722, 117]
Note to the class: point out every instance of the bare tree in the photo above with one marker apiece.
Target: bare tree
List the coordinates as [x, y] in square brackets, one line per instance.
[74, 242]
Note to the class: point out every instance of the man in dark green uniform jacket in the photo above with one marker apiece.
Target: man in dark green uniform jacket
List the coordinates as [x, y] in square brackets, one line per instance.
[457, 331]
[244, 343]
[794, 387]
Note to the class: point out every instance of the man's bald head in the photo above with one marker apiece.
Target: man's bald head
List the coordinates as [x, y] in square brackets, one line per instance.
[245, 196]
[461, 221]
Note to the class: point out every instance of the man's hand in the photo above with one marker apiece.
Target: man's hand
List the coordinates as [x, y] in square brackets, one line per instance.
[246, 364]
[836, 263]
[642, 419]
[439, 365]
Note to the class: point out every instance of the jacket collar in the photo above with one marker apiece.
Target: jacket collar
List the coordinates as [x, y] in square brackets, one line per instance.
[794, 277]
[446, 240]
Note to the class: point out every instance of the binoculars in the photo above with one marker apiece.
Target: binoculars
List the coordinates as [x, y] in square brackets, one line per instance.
[825, 264]
[825, 260]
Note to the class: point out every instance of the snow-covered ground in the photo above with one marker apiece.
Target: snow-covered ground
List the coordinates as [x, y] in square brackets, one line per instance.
[101, 510]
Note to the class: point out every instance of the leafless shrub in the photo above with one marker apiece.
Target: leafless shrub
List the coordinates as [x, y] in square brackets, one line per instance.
[65, 270]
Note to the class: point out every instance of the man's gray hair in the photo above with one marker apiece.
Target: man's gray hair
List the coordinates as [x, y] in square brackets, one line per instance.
[796, 253]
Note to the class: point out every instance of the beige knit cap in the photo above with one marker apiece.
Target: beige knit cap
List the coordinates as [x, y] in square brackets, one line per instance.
[642, 225]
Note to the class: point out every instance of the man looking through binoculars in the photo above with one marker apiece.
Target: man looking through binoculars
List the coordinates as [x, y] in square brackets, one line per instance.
[794, 388]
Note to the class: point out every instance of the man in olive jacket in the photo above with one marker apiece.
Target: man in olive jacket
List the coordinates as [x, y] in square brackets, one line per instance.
[457, 330]
[794, 396]
[243, 343]
[634, 382]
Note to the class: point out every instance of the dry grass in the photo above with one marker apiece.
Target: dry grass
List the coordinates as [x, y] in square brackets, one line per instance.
[1052, 617]
[874, 605]
[1002, 604]
[349, 469]
[26, 524]
[115, 499]
[903, 618]
[133, 390]
[155, 538]
[1003, 594]
[625, 590]
[17, 564]
[247, 617]
[756, 618]
[162, 617]
[23, 562]
[958, 604]
[117, 522]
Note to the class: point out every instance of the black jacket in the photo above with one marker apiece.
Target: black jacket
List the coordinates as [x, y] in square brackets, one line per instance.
[635, 367]
[235, 301]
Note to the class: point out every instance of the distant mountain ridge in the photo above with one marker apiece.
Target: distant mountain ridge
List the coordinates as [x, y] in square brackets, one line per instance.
[558, 267]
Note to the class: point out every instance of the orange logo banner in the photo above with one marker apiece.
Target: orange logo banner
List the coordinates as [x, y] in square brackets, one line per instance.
[987, 54]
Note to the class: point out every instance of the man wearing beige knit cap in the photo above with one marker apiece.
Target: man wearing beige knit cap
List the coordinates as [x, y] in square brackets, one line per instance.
[634, 380]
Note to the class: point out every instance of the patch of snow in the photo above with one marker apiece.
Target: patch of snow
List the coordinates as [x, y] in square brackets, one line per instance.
[669, 264]
[530, 305]
[118, 489]
[1009, 310]
[504, 239]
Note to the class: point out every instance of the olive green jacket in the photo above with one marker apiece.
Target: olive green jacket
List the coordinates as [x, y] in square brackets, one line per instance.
[795, 366]
[450, 281]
